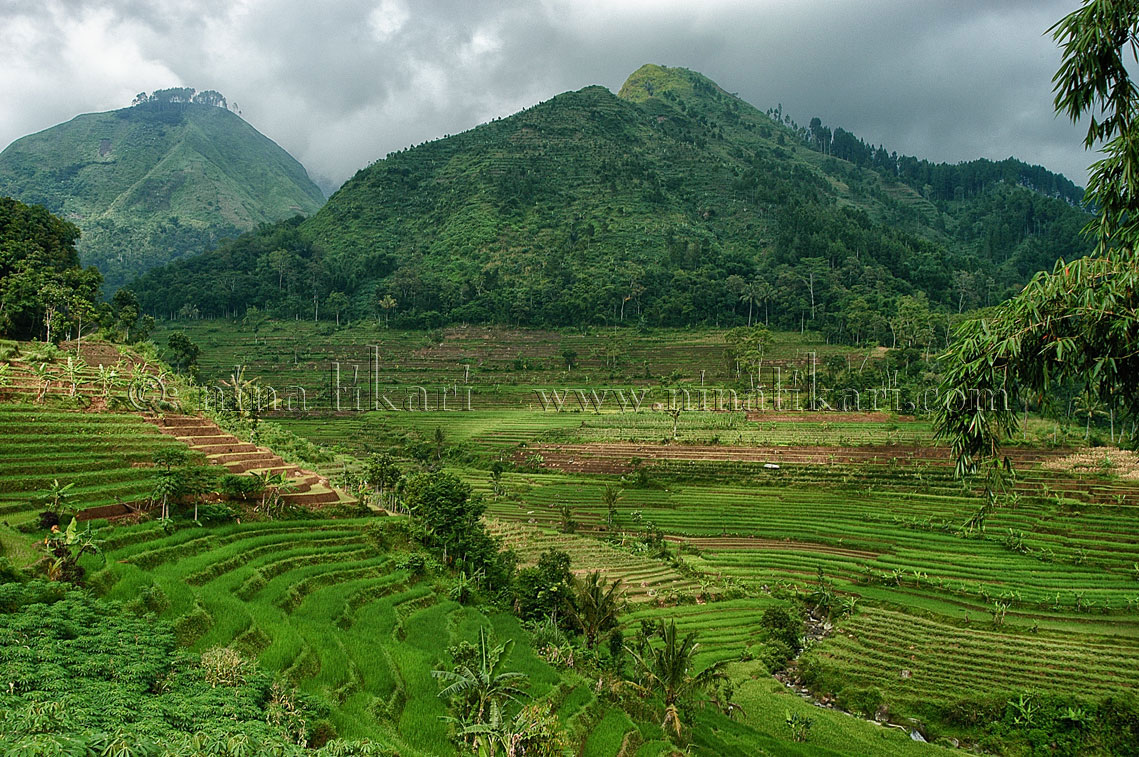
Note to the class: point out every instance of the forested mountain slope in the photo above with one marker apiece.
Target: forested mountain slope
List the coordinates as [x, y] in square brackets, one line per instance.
[156, 181]
[674, 202]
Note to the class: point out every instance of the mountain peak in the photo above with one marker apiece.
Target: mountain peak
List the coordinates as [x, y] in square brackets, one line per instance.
[156, 181]
[653, 80]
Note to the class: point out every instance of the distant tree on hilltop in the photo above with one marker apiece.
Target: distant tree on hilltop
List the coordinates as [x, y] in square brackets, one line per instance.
[181, 96]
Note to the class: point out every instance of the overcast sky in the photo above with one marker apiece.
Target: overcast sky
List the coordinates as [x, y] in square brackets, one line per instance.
[341, 84]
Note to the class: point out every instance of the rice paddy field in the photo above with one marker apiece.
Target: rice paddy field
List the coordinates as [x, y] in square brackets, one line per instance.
[335, 613]
[501, 367]
[320, 604]
[105, 458]
[755, 509]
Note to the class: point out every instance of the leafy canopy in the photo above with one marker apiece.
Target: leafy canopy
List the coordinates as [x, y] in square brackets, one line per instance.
[1079, 323]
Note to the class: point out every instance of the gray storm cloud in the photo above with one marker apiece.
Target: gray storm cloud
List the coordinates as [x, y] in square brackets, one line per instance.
[341, 84]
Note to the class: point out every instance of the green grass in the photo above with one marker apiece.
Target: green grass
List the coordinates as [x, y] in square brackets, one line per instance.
[766, 703]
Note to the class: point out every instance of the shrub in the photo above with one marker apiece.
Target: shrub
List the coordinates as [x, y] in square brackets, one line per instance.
[418, 564]
[774, 654]
[8, 571]
[861, 701]
[800, 726]
[545, 590]
[223, 666]
[239, 487]
[151, 599]
[545, 633]
[779, 625]
[216, 513]
[192, 626]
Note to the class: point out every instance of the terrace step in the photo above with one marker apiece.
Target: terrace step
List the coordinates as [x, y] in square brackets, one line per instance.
[214, 438]
[289, 471]
[325, 497]
[243, 456]
[179, 421]
[203, 435]
[209, 450]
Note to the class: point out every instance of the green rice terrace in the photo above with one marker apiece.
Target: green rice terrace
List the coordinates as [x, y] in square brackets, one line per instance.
[834, 572]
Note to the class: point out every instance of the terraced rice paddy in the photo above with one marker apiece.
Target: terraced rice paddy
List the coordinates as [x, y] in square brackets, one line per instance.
[501, 365]
[724, 628]
[643, 579]
[321, 604]
[753, 506]
[918, 659]
[1068, 584]
[107, 456]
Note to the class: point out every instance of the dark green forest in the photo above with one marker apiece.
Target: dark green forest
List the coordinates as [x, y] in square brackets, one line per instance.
[43, 289]
[673, 203]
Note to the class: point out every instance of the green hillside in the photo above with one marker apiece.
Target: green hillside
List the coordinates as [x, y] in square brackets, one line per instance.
[157, 181]
[667, 203]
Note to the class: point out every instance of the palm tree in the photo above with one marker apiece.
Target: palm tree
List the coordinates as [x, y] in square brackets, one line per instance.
[387, 302]
[609, 498]
[750, 295]
[764, 291]
[239, 386]
[597, 608]
[482, 683]
[667, 670]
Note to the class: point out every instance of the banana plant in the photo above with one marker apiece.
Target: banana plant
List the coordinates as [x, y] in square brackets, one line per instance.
[45, 376]
[272, 486]
[66, 547]
[73, 372]
[54, 496]
[109, 378]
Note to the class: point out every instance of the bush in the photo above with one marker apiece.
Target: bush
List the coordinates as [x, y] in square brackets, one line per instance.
[418, 564]
[546, 633]
[774, 654]
[779, 625]
[151, 599]
[860, 701]
[45, 352]
[545, 590]
[192, 626]
[223, 666]
[216, 513]
[8, 571]
[240, 487]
